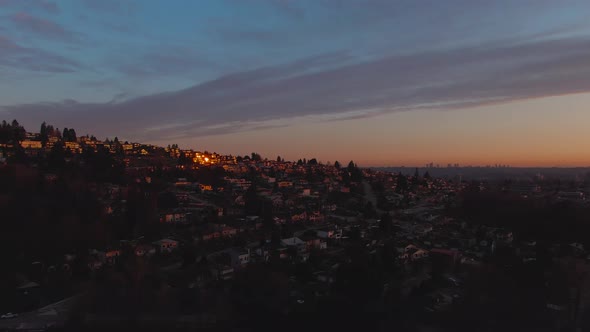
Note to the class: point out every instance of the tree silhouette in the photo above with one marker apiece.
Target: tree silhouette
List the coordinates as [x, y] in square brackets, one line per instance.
[256, 157]
[43, 134]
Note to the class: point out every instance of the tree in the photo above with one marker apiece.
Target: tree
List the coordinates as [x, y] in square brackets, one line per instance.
[369, 210]
[278, 159]
[299, 162]
[256, 157]
[56, 157]
[43, 134]
[402, 183]
[253, 203]
[72, 135]
[385, 223]
[19, 131]
[337, 164]
[427, 175]
[351, 166]
[312, 161]
[416, 173]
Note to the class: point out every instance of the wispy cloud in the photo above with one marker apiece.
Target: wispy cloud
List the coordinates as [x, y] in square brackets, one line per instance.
[14, 55]
[112, 6]
[231, 34]
[459, 78]
[164, 62]
[42, 27]
[42, 5]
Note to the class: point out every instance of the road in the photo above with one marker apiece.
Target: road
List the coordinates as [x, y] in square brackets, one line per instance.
[55, 314]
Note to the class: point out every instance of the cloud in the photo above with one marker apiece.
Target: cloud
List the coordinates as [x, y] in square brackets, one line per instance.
[289, 8]
[112, 6]
[42, 5]
[41, 27]
[459, 78]
[165, 62]
[243, 34]
[15, 56]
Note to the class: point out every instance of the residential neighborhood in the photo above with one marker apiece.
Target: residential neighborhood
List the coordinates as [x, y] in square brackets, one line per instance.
[193, 239]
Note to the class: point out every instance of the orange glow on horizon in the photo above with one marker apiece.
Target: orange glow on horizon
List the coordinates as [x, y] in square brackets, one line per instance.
[544, 132]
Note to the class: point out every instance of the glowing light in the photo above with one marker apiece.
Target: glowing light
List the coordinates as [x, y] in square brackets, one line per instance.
[206, 159]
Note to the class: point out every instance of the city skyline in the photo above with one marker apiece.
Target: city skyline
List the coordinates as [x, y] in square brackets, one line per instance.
[379, 82]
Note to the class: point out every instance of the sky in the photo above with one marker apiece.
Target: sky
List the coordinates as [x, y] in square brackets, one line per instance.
[380, 82]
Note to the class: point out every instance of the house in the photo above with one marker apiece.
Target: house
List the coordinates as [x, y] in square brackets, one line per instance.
[316, 216]
[144, 250]
[312, 241]
[228, 231]
[166, 245]
[31, 144]
[206, 187]
[325, 233]
[419, 254]
[293, 242]
[239, 257]
[174, 218]
[285, 184]
[412, 253]
[221, 265]
[112, 255]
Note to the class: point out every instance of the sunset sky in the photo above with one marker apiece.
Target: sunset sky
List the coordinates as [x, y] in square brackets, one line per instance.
[381, 82]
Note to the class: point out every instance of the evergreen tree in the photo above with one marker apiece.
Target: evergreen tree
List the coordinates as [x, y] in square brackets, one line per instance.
[72, 135]
[402, 183]
[43, 134]
[18, 132]
[337, 164]
[256, 157]
[385, 223]
[351, 166]
[279, 159]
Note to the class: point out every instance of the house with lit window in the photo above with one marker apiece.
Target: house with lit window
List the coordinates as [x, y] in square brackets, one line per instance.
[166, 245]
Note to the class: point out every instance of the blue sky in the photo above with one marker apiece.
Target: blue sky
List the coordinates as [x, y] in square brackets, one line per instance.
[211, 70]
